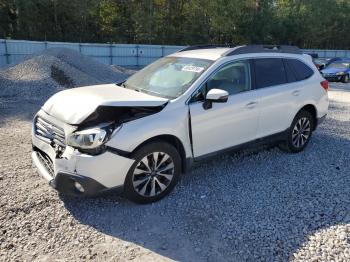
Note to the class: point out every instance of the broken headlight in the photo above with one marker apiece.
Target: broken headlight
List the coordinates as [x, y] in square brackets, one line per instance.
[92, 140]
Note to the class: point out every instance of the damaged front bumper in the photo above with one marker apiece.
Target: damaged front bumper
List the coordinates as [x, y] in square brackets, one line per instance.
[75, 173]
[67, 183]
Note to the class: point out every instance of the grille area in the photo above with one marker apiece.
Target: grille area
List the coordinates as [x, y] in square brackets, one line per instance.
[49, 132]
[46, 161]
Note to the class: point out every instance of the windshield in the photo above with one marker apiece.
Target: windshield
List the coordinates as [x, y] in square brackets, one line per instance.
[339, 65]
[168, 77]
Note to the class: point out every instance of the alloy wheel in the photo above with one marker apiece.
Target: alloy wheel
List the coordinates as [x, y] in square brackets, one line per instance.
[301, 132]
[153, 174]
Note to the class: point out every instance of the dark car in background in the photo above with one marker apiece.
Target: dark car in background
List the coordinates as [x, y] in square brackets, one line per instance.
[337, 71]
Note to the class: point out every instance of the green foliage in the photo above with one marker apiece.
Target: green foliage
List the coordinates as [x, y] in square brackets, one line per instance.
[306, 23]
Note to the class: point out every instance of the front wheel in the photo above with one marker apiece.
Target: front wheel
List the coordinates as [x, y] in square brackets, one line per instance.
[299, 133]
[345, 79]
[154, 174]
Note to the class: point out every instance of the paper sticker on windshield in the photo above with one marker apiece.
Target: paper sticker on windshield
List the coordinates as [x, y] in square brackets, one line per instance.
[195, 69]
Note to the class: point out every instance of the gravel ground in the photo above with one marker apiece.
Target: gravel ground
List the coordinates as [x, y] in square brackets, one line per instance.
[261, 205]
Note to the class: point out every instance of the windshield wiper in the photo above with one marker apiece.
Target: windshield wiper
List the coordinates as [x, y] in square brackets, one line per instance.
[152, 93]
[145, 91]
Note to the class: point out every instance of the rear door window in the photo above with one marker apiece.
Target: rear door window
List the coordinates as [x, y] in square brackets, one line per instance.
[301, 70]
[269, 72]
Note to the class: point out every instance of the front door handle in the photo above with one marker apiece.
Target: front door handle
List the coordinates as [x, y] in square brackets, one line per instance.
[251, 104]
[296, 93]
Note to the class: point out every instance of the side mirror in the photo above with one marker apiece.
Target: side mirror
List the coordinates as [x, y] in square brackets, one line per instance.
[215, 96]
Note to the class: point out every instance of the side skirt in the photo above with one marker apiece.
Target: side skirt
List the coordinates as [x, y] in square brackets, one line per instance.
[272, 139]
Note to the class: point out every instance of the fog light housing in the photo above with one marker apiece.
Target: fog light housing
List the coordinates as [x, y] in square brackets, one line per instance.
[79, 187]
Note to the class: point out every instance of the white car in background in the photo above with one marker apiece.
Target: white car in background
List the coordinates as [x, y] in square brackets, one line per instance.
[141, 135]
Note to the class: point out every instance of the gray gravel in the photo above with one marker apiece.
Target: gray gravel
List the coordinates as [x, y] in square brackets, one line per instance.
[52, 70]
[261, 205]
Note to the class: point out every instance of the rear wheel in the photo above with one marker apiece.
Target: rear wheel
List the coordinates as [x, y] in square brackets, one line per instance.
[299, 133]
[154, 174]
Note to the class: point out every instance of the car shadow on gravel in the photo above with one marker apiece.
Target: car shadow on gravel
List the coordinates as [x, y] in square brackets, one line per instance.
[260, 205]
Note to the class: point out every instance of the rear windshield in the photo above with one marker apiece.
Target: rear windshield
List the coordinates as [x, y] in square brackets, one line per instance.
[168, 77]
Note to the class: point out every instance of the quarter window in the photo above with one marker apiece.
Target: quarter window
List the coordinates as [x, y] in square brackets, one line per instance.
[301, 70]
[269, 72]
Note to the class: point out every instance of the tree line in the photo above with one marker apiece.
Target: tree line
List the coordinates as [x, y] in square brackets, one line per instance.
[306, 23]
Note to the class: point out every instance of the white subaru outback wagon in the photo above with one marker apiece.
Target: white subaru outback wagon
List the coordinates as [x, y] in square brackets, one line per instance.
[140, 135]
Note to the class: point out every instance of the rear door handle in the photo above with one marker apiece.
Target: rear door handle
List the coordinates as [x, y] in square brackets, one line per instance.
[296, 92]
[251, 104]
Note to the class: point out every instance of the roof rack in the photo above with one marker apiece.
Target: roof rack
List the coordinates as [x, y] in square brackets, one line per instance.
[195, 47]
[245, 49]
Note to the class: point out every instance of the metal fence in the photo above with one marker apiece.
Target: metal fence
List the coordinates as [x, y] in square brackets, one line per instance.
[12, 51]
[328, 53]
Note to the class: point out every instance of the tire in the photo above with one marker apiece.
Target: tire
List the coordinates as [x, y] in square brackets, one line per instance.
[299, 133]
[345, 79]
[143, 184]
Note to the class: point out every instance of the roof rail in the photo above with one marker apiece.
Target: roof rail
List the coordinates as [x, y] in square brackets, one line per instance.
[195, 47]
[245, 49]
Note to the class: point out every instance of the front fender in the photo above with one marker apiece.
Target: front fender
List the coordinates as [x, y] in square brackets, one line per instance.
[171, 121]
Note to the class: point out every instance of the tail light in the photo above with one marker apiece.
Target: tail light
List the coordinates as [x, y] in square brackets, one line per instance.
[325, 85]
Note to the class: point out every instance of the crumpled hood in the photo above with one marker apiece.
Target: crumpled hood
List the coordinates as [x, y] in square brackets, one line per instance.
[72, 106]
